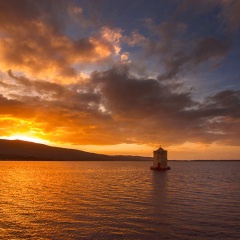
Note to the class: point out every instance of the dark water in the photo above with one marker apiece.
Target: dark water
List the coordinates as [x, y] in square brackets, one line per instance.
[119, 200]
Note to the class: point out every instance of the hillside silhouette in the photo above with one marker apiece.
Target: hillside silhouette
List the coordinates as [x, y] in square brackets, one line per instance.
[29, 151]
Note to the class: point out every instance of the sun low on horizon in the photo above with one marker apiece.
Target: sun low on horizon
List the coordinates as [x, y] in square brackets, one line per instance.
[25, 138]
[163, 74]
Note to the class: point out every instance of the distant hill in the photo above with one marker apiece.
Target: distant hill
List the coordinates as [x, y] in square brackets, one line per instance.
[29, 151]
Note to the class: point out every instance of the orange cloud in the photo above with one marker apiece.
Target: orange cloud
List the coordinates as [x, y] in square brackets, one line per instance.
[39, 48]
[113, 36]
[48, 55]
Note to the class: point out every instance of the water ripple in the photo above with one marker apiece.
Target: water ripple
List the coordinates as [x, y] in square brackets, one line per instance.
[119, 200]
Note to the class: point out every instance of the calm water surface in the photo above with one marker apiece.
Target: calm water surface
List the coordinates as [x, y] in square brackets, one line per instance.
[119, 200]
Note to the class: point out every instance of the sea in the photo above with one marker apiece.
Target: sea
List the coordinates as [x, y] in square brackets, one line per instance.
[119, 200]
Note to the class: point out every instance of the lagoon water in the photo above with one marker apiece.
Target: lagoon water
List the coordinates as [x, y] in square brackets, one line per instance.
[119, 200]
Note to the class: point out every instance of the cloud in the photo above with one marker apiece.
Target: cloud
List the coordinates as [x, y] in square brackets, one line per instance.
[228, 101]
[207, 48]
[229, 10]
[177, 53]
[116, 106]
[134, 39]
[57, 112]
[39, 45]
[124, 57]
[112, 36]
[162, 115]
[58, 51]
[122, 88]
[76, 97]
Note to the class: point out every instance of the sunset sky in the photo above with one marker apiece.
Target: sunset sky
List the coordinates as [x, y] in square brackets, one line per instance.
[122, 76]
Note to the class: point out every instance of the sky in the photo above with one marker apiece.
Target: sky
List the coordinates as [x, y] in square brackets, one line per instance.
[122, 77]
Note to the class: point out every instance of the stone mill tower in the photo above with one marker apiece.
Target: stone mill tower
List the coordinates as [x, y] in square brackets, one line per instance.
[160, 160]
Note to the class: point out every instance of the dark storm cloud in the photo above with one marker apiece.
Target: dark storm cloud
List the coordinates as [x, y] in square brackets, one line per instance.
[227, 101]
[229, 10]
[125, 93]
[157, 109]
[207, 48]
[182, 45]
[115, 106]
[203, 50]
[178, 53]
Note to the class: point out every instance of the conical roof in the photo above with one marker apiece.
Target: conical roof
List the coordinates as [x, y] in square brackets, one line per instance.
[160, 150]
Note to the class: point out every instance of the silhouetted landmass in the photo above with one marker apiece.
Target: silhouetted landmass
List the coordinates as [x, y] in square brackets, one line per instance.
[29, 151]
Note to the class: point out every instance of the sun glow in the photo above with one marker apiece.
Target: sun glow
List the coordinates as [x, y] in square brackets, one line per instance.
[26, 138]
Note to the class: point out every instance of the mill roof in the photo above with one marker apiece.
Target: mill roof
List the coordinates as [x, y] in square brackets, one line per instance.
[160, 150]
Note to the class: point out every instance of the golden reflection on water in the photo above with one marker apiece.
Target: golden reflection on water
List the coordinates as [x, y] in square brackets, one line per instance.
[53, 195]
[116, 200]
[30, 191]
